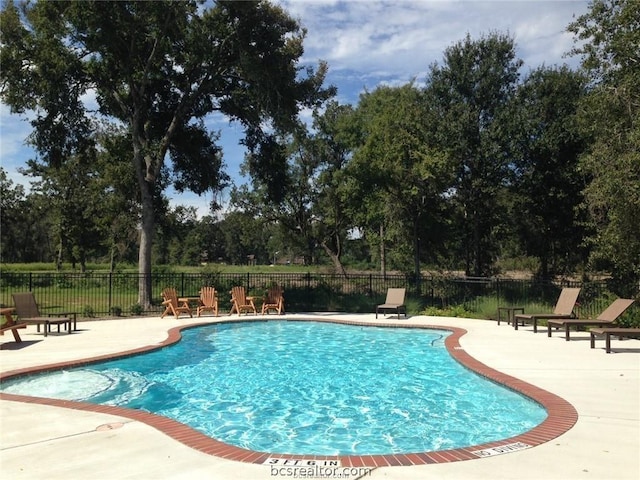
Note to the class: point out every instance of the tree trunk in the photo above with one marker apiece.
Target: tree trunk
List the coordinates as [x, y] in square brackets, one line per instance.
[335, 258]
[112, 258]
[59, 257]
[146, 173]
[416, 255]
[146, 243]
[383, 257]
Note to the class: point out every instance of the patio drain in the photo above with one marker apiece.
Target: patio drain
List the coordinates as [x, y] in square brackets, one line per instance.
[109, 426]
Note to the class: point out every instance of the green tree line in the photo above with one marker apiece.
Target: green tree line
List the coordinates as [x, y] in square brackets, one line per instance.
[476, 163]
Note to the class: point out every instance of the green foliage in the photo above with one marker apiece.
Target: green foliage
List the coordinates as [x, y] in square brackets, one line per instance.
[312, 214]
[136, 309]
[63, 282]
[116, 311]
[546, 183]
[468, 95]
[608, 40]
[210, 275]
[631, 318]
[398, 175]
[455, 311]
[88, 311]
[245, 235]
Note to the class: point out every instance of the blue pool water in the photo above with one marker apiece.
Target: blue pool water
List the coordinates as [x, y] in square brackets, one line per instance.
[305, 388]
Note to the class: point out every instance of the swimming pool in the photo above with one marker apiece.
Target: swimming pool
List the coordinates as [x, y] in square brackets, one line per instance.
[306, 388]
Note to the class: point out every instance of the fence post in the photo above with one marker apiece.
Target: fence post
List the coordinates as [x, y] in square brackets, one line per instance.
[109, 305]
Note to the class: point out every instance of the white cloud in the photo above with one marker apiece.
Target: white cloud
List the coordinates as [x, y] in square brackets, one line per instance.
[387, 41]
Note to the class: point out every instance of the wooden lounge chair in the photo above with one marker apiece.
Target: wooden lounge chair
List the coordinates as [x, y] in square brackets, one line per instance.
[393, 303]
[28, 313]
[273, 300]
[612, 331]
[208, 301]
[172, 305]
[240, 301]
[564, 309]
[606, 318]
[10, 324]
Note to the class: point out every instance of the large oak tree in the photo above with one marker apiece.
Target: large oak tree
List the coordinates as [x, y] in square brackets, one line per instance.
[160, 69]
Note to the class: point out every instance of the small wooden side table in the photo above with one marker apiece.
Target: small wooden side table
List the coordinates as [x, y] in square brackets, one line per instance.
[511, 313]
[67, 314]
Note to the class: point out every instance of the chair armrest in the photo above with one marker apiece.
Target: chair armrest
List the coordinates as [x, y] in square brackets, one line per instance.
[61, 314]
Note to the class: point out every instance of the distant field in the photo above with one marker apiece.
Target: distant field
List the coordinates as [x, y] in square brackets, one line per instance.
[212, 267]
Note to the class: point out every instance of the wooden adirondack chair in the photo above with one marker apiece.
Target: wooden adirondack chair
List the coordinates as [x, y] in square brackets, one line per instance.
[273, 300]
[172, 306]
[208, 301]
[10, 325]
[240, 301]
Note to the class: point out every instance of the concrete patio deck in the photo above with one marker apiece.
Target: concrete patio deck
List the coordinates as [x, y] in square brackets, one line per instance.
[41, 441]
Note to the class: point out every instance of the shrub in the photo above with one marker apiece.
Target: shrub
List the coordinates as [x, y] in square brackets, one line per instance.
[87, 311]
[116, 311]
[136, 309]
[631, 318]
[453, 311]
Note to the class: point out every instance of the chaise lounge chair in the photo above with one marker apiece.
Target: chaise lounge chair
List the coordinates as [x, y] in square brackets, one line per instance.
[171, 304]
[615, 331]
[393, 303]
[564, 309]
[606, 318]
[208, 301]
[29, 314]
[240, 301]
[273, 300]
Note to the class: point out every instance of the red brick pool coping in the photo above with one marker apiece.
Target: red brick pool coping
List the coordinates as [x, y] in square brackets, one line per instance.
[561, 415]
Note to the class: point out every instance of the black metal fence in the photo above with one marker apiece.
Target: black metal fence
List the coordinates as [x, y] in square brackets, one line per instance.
[102, 293]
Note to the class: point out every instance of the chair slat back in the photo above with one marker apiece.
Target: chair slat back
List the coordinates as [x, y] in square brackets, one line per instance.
[25, 304]
[170, 294]
[274, 294]
[208, 296]
[239, 295]
[567, 301]
[615, 310]
[395, 296]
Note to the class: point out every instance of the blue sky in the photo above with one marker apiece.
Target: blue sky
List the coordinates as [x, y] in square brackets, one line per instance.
[368, 43]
